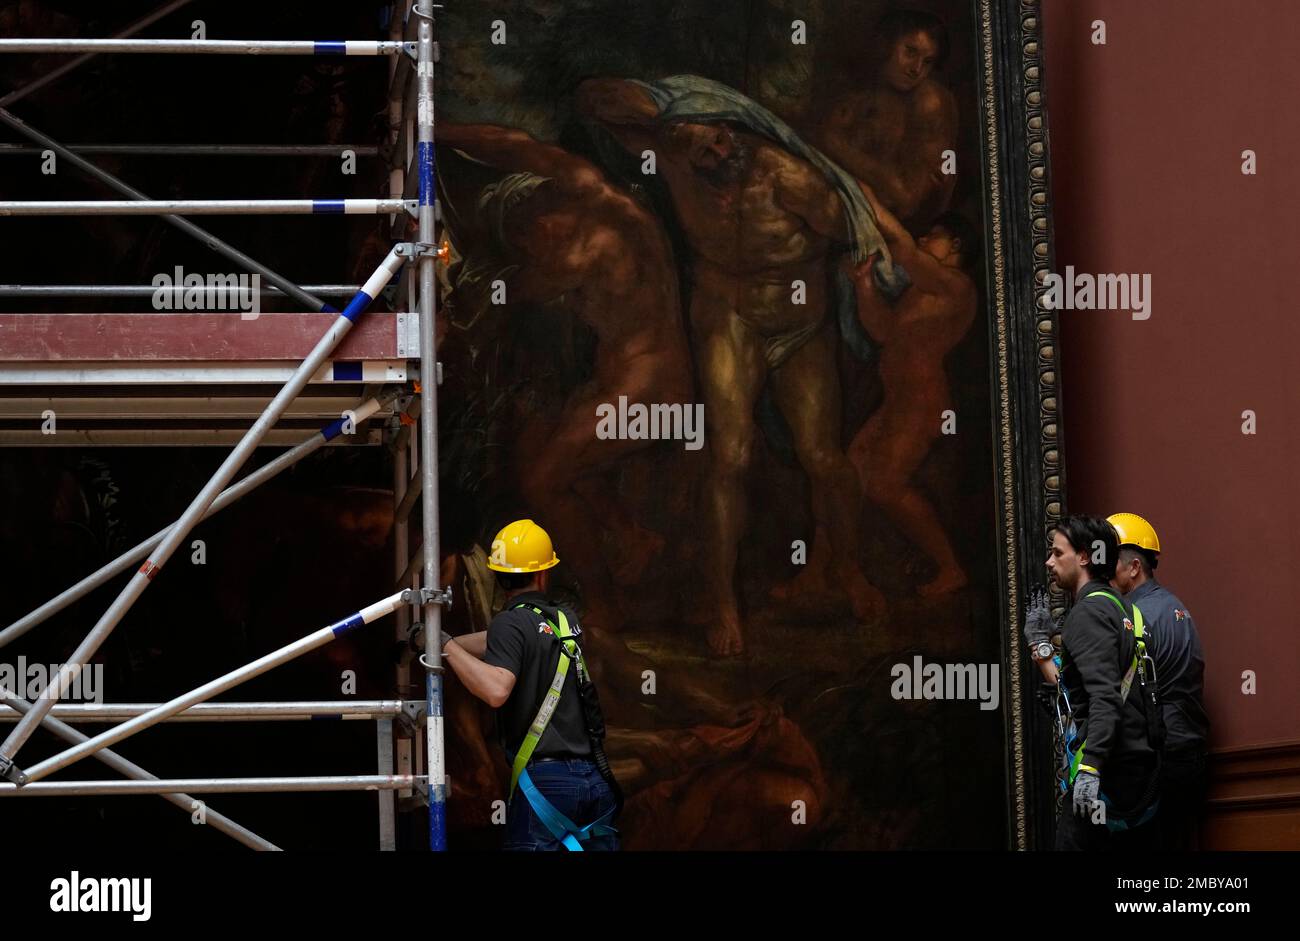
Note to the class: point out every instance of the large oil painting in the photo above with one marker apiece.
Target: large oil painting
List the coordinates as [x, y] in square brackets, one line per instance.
[723, 314]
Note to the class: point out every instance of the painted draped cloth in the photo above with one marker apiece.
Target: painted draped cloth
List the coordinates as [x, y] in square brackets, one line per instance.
[702, 100]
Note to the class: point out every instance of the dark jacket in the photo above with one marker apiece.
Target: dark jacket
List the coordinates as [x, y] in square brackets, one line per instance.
[1180, 666]
[1097, 646]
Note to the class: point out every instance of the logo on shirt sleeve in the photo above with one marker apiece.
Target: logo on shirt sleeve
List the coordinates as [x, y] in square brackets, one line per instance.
[1181, 615]
[543, 627]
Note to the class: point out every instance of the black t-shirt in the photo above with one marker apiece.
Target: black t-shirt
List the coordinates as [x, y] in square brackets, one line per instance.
[522, 642]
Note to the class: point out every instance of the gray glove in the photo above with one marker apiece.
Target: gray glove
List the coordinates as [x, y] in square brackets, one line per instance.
[1039, 625]
[444, 640]
[1086, 788]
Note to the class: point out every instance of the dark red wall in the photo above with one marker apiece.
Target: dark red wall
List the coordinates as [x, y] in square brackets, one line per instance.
[1146, 139]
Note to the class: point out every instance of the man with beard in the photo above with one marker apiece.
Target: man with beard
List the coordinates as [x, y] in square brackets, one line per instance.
[892, 134]
[760, 222]
[1113, 739]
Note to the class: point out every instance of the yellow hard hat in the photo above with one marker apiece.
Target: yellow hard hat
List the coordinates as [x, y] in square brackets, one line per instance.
[522, 546]
[1135, 531]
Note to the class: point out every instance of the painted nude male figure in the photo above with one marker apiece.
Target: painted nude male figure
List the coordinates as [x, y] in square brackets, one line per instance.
[892, 133]
[573, 237]
[758, 219]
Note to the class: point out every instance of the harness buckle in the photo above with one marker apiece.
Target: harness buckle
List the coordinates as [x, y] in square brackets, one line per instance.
[1147, 666]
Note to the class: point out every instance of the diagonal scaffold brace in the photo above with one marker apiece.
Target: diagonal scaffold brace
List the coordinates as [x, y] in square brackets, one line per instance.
[317, 638]
[9, 770]
[227, 497]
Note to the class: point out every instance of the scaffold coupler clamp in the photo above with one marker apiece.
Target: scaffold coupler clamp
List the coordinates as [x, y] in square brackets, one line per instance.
[412, 49]
[415, 250]
[412, 714]
[423, 596]
[11, 772]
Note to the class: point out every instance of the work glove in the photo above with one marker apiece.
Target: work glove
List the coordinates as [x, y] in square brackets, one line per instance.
[1039, 625]
[1086, 788]
[444, 639]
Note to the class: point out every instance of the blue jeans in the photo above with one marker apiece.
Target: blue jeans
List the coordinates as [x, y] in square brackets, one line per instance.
[575, 788]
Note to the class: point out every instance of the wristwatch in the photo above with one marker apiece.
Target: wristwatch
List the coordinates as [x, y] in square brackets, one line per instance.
[1043, 650]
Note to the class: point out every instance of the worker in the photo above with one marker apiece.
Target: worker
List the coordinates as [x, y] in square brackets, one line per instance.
[1180, 668]
[1113, 737]
[528, 665]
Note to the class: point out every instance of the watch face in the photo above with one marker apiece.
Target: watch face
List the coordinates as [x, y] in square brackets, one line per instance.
[1044, 650]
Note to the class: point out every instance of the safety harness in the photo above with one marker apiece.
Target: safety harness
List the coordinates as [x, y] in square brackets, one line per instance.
[1143, 669]
[560, 826]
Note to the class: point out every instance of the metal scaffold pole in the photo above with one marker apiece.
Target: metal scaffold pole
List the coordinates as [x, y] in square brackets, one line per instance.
[237, 47]
[402, 743]
[369, 710]
[205, 150]
[346, 782]
[203, 207]
[148, 290]
[432, 613]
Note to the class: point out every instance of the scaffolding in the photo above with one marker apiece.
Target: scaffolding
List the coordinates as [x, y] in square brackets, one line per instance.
[327, 363]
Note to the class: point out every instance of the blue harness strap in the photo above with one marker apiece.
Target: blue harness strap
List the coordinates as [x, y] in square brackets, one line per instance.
[561, 827]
